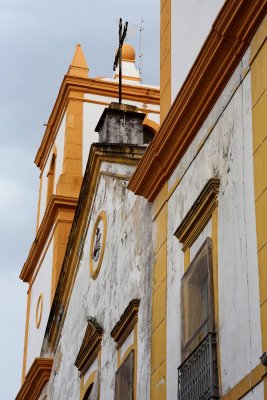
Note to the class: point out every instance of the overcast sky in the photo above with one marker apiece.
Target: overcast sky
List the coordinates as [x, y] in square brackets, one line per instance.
[37, 43]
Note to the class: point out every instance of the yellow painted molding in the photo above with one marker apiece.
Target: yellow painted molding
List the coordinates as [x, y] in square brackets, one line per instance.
[259, 103]
[51, 178]
[94, 270]
[199, 214]
[158, 322]
[151, 124]
[26, 337]
[186, 258]
[215, 277]
[160, 201]
[84, 386]
[246, 384]
[128, 78]
[125, 355]
[56, 204]
[36, 379]
[39, 202]
[39, 311]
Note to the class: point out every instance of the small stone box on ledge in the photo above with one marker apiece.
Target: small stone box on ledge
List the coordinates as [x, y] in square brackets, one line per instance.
[121, 123]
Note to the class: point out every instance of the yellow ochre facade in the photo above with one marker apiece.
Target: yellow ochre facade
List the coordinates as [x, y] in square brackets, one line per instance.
[147, 276]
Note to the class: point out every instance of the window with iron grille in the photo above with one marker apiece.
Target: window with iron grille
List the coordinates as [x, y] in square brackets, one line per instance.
[198, 373]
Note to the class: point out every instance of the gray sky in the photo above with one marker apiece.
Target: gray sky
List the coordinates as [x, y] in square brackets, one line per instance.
[37, 43]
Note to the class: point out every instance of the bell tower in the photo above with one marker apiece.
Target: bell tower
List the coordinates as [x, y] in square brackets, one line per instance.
[59, 159]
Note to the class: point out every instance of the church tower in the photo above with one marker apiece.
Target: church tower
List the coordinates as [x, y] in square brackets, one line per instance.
[62, 158]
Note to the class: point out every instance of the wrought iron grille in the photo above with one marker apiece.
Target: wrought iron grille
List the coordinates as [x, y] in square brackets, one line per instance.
[198, 375]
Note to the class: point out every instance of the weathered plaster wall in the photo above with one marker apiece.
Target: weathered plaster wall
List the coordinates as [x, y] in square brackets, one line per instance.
[124, 275]
[41, 285]
[191, 22]
[222, 148]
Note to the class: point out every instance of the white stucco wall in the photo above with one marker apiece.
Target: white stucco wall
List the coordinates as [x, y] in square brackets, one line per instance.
[59, 143]
[222, 148]
[41, 285]
[191, 19]
[125, 275]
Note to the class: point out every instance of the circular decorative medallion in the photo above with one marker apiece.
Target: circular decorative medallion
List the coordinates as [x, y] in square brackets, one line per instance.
[98, 242]
[39, 310]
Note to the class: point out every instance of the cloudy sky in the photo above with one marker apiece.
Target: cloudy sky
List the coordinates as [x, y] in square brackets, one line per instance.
[37, 42]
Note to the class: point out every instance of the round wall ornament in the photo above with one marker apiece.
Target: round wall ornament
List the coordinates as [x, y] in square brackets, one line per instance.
[39, 310]
[98, 243]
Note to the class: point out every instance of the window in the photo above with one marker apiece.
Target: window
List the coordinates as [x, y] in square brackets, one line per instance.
[124, 379]
[198, 372]
[197, 300]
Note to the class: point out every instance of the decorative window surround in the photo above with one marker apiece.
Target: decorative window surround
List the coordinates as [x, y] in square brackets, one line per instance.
[126, 323]
[125, 333]
[91, 346]
[199, 214]
[90, 352]
[204, 209]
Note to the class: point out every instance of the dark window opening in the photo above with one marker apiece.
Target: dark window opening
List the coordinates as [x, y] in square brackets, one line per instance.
[197, 300]
[124, 379]
[92, 393]
[148, 134]
[198, 374]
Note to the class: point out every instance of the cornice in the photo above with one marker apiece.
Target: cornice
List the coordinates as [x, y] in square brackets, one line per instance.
[90, 347]
[126, 323]
[35, 380]
[100, 152]
[56, 204]
[222, 51]
[199, 215]
[93, 86]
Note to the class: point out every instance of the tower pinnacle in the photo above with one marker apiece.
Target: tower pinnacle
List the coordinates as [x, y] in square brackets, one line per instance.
[78, 66]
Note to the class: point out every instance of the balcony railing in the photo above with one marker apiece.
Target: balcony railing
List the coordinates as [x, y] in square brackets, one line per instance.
[198, 375]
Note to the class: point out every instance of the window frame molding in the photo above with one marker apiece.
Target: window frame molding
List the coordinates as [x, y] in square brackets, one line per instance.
[203, 210]
[126, 324]
[199, 214]
[121, 331]
[90, 351]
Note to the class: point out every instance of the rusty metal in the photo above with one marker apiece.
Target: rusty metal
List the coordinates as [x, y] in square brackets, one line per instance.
[122, 35]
